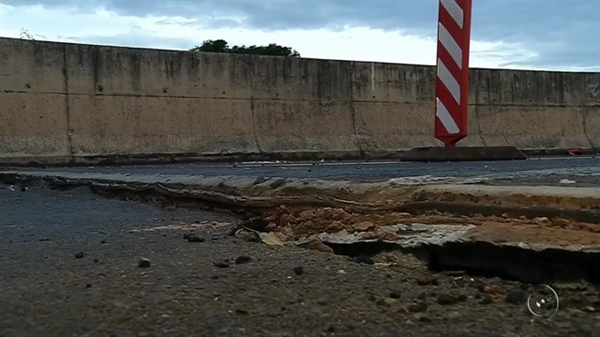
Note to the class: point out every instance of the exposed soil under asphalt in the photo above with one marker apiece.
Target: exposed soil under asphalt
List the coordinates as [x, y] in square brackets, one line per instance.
[76, 264]
[559, 232]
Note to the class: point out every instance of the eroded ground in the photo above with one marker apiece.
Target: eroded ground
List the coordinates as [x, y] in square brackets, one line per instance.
[289, 225]
[70, 264]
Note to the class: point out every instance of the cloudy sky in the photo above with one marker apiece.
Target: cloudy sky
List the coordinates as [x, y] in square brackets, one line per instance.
[533, 34]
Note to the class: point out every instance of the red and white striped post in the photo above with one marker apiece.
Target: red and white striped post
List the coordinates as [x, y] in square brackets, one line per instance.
[452, 80]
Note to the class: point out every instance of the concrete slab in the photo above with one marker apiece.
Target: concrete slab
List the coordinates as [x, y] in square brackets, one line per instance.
[470, 153]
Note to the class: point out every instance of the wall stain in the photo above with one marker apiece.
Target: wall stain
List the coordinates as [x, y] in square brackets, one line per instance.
[135, 71]
[96, 64]
[65, 72]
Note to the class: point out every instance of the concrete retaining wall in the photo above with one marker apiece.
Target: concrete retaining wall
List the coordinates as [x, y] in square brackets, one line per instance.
[64, 101]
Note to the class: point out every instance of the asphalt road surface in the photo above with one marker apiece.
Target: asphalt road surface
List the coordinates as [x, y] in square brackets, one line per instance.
[69, 263]
[574, 171]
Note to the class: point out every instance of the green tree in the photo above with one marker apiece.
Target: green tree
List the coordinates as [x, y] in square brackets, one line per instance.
[221, 46]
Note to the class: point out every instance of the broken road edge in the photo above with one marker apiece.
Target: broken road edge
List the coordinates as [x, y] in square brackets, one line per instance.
[443, 245]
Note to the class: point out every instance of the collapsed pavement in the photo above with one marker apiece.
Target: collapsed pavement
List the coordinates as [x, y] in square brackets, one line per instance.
[534, 234]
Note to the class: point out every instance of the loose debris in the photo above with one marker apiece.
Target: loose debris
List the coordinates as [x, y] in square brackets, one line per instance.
[144, 263]
[448, 299]
[222, 264]
[395, 294]
[247, 235]
[194, 238]
[242, 259]
[271, 239]
[417, 307]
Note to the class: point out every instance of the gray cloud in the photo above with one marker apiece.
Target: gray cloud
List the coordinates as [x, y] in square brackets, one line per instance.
[565, 32]
[137, 38]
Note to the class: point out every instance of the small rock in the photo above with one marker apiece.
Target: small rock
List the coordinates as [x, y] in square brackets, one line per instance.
[363, 226]
[195, 238]
[364, 259]
[515, 296]
[447, 299]
[334, 227]
[494, 289]
[423, 295]
[322, 302]
[246, 235]
[385, 301]
[460, 282]
[541, 220]
[144, 263]
[589, 308]
[102, 241]
[389, 301]
[453, 315]
[423, 318]
[96, 260]
[243, 259]
[89, 285]
[317, 245]
[298, 270]
[341, 272]
[395, 294]
[426, 280]
[240, 311]
[485, 299]
[271, 226]
[417, 307]
[222, 264]
[79, 255]
[561, 222]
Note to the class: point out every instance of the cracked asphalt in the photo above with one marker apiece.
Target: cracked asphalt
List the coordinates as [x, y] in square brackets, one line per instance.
[69, 267]
[574, 171]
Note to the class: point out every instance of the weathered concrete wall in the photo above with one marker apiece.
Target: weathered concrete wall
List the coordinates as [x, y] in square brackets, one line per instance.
[67, 101]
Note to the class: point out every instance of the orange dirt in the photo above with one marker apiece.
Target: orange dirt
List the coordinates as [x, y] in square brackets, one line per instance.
[295, 225]
[555, 236]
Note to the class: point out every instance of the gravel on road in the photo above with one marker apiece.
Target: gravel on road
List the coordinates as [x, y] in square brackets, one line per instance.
[76, 264]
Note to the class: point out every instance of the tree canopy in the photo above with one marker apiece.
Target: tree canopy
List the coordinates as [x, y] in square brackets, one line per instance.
[221, 46]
